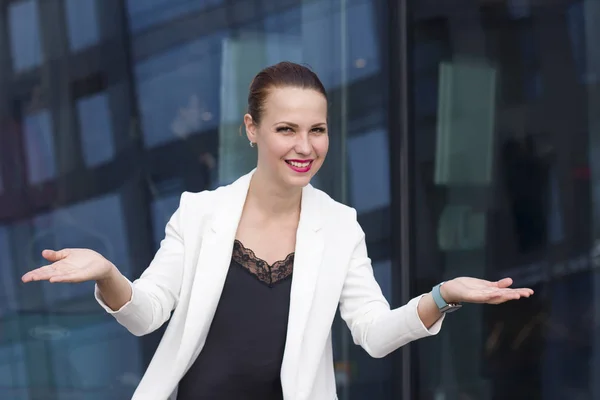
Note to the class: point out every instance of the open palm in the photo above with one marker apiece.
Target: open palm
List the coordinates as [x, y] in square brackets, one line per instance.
[71, 265]
[473, 290]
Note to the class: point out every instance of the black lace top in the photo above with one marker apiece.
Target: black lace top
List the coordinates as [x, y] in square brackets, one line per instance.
[242, 356]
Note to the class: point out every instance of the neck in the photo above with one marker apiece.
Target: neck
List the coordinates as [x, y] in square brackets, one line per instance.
[271, 198]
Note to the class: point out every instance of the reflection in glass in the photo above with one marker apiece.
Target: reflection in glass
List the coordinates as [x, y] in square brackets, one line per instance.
[383, 275]
[162, 210]
[95, 224]
[82, 23]
[191, 95]
[111, 375]
[8, 300]
[13, 372]
[145, 13]
[96, 129]
[324, 19]
[179, 91]
[40, 147]
[25, 40]
[368, 163]
[465, 124]
[504, 189]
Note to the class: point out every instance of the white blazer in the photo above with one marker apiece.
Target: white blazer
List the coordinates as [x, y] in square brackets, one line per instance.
[331, 267]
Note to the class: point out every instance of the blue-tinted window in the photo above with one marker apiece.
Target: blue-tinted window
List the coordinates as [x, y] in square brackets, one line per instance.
[583, 33]
[111, 376]
[96, 224]
[8, 281]
[383, 275]
[179, 91]
[13, 372]
[363, 55]
[368, 162]
[146, 13]
[82, 23]
[162, 210]
[519, 8]
[96, 129]
[322, 41]
[25, 40]
[39, 141]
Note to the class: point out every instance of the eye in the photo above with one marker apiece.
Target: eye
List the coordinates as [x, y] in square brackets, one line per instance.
[319, 129]
[284, 129]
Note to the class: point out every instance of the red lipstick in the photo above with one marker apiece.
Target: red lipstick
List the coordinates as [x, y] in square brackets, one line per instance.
[300, 166]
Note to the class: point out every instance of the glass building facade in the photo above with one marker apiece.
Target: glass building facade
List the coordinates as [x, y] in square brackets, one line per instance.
[464, 133]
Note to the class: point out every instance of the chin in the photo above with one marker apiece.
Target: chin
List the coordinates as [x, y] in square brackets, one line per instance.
[294, 179]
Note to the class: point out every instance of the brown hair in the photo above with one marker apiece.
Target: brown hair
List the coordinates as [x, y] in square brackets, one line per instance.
[283, 74]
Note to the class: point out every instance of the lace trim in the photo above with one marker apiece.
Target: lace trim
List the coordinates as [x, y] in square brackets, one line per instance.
[269, 274]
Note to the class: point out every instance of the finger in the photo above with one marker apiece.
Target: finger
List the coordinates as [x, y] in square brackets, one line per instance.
[504, 283]
[39, 274]
[54, 255]
[514, 294]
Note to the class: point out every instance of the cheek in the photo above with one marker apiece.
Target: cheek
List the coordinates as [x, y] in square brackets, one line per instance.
[321, 146]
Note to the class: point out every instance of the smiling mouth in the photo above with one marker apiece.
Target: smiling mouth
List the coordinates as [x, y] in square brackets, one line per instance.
[299, 165]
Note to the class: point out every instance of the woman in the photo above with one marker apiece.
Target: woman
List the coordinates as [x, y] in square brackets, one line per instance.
[254, 271]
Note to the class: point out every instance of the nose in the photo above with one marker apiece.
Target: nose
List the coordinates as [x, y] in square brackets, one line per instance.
[303, 145]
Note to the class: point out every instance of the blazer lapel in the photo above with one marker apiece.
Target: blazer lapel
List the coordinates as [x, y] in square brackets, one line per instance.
[211, 269]
[307, 263]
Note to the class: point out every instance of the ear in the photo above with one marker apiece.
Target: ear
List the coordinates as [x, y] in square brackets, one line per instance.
[250, 128]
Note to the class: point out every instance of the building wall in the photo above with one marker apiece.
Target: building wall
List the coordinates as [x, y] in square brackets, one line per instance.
[505, 125]
[110, 109]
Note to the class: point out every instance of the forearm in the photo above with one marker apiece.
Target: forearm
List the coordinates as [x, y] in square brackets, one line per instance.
[428, 311]
[389, 329]
[115, 290]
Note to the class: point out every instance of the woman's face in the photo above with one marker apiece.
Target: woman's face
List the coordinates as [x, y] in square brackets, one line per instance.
[292, 138]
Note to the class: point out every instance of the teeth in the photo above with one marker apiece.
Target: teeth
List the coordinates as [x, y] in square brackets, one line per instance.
[299, 165]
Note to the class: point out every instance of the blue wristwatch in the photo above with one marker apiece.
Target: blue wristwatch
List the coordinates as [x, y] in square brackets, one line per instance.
[441, 303]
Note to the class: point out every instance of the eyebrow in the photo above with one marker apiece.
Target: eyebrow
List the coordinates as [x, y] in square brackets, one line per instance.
[293, 125]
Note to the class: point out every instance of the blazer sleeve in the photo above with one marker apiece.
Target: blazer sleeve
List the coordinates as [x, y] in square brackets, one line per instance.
[156, 292]
[374, 326]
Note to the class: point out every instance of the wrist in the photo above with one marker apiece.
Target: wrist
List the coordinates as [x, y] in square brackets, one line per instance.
[447, 295]
[111, 275]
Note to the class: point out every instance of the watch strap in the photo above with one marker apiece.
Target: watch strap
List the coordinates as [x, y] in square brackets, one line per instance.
[443, 306]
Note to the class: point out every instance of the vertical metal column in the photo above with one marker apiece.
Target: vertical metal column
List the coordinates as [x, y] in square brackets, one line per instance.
[401, 162]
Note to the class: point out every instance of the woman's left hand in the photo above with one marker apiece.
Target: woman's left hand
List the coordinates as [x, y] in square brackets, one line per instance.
[473, 290]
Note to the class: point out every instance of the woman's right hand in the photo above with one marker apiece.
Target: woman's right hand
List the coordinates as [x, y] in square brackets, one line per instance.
[73, 266]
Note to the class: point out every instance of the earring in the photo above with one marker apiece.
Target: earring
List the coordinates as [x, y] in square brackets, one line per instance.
[251, 144]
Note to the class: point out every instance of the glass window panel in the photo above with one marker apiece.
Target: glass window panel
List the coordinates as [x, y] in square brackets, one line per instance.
[179, 91]
[25, 39]
[383, 274]
[146, 13]
[96, 129]
[13, 373]
[324, 19]
[495, 197]
[583, 16]
[95, 224]
[82, 23]
[368, 163]
[111, 376]
[39, 141]
[162, 210]
[363, 53]
[8, 280]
